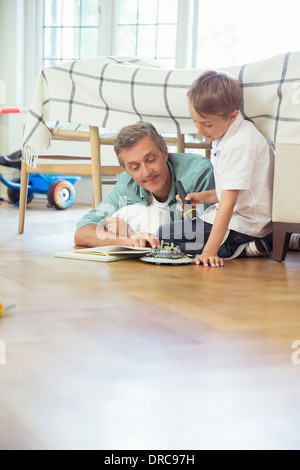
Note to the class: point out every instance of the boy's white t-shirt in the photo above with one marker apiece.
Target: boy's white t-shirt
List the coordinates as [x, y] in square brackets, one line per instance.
[244, 160]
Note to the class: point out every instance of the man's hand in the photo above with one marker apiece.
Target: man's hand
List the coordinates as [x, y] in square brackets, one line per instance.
[145, 239]
[124, 232]
[209, 259]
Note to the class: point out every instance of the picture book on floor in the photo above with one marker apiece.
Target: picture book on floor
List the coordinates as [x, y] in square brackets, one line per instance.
[105, 254]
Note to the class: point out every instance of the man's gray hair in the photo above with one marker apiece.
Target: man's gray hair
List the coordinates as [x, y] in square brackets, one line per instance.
[131, 135]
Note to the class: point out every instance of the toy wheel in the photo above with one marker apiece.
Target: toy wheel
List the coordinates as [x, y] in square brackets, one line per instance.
[61, 194]
[14, 194]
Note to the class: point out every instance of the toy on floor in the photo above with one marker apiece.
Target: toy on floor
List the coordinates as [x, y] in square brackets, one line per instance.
[59, 189]
[167, 254]
[5, 308]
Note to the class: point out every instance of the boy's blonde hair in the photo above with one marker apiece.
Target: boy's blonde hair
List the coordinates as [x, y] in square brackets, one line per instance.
[215, 93]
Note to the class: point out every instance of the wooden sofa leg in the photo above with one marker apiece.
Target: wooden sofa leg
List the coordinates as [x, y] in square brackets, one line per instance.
[281, 240]
[23, 197]
[96, 165]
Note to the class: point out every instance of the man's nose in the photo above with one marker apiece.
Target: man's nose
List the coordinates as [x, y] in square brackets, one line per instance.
[146, 171]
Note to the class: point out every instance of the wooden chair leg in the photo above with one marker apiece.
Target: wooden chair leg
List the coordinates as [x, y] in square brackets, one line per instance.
[96, 165]
[281, 240]
[180, 143]
[23, 197]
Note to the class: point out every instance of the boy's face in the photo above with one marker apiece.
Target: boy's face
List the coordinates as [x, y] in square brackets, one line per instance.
[211, 126]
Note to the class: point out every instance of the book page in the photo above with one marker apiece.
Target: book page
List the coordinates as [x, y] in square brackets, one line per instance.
[94, 257]
[114, 250]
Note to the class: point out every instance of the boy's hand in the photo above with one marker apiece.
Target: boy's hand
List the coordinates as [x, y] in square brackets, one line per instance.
[209, 259]
[195, 199]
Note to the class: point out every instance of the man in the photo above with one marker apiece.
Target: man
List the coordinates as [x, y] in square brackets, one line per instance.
[149, 180]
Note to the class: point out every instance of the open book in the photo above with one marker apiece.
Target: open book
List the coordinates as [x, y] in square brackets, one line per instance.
[115, 250]
[105, 254]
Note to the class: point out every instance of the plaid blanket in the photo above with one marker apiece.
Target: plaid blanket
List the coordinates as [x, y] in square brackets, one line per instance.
[110, 92]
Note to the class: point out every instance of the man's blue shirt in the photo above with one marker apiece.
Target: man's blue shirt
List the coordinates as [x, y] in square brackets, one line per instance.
[194, 171]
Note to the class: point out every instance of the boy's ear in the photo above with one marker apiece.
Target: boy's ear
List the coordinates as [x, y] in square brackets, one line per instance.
[234, 115]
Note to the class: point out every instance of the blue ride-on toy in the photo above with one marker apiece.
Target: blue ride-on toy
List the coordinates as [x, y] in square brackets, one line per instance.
[59, 189]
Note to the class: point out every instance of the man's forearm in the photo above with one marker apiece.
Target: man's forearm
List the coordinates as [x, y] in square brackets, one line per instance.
[94, 235]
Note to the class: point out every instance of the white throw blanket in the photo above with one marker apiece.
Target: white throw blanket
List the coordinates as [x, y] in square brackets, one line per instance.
[111, 92]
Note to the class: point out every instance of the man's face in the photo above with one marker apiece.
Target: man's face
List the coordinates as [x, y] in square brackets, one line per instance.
[147, 165]
[211, 126]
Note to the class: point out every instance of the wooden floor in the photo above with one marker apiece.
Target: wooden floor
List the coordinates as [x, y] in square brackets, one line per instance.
[132, 356]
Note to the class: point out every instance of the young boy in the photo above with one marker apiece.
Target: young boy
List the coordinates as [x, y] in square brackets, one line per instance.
[239, 219]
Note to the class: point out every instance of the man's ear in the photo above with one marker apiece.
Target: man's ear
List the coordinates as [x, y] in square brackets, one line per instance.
[166, 154]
